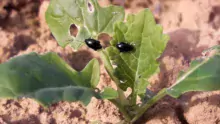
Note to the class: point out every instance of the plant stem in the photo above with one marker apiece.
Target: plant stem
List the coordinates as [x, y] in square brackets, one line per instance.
[122, 110]
[149, 103]
[110, 71]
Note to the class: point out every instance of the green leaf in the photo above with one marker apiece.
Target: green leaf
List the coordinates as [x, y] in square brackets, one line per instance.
[48, 79]
[61, 14]
[109, 93]
[203, 75]
[135, 67]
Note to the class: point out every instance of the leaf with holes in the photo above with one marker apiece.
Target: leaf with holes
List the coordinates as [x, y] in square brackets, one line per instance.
[203, 75]
[48, 79]
[135, 67]
[89, 17]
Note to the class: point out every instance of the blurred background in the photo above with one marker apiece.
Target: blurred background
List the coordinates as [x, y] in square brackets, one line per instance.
[193, 26]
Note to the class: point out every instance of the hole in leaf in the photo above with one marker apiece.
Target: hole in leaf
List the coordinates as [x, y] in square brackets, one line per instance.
[97, 90]
[73, 30]
[128, 92]
[104, 39]
[104, 3]
[90, 7]
[114, 65]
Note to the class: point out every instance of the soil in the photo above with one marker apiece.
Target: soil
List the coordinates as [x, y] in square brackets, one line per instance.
[193, 25]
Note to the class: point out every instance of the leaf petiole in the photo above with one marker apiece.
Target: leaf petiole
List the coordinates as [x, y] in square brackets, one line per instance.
[122, 99]
[110, 71]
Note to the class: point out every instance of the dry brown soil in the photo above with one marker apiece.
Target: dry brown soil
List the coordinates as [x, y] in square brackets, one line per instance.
[193, 25]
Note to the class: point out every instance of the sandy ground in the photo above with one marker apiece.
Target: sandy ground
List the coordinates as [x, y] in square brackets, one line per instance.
[193, 26]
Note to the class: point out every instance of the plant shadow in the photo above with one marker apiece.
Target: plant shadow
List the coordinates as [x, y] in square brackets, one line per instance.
[195, 98]
[181, 49]
[19, 15]
[31, 119]
[21, 43]
[82, 57]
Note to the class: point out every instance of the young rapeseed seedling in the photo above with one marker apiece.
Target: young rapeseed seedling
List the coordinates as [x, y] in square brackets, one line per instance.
[135, 46]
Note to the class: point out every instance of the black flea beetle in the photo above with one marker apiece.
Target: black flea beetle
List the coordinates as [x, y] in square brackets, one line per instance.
[94, 44]
[124, 47]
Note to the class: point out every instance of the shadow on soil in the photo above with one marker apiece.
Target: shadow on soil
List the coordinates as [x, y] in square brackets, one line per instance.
[181, 49]
[32, 119]
[21, 43]
[81, 58]
[209, 97]
[15, 16]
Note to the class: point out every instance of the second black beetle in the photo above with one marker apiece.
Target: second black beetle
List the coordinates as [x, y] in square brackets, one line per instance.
[94, 44]
[124, 47]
